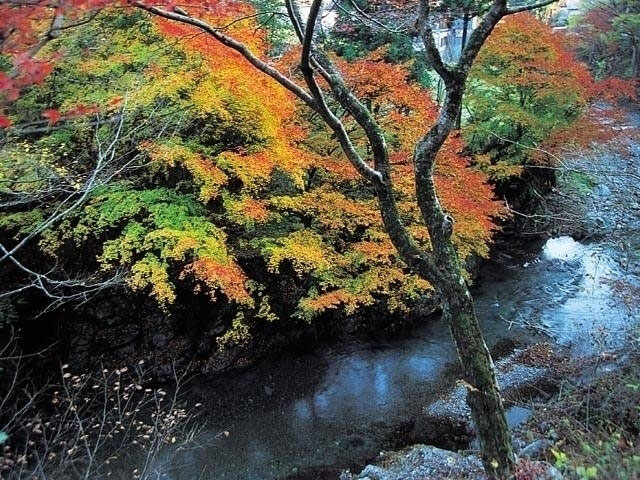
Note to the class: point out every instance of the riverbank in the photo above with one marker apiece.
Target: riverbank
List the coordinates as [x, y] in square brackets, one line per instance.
[585, 426]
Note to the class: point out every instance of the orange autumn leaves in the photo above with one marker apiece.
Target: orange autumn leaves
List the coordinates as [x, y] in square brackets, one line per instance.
[235, 85]
[406, 111]
[527, 95]
[343, 250]
[268, 194]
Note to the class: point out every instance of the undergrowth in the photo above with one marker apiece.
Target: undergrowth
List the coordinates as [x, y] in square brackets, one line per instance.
[594, 426]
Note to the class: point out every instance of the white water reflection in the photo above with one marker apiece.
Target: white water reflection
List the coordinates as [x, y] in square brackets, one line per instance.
[338, 405]
[562, 248]
[591, 318]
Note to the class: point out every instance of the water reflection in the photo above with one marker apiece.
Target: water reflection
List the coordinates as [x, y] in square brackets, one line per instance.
[339, 406]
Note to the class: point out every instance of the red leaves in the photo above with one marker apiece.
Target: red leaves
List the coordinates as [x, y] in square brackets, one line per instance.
[599, 19]
[30, 71]
[615, 89]
[82, 110]
[532, 57]
[226, 277]
[5, 122]
[406, 111]
[52, 115]
[27, 71]
[114, 102]
[8, 88]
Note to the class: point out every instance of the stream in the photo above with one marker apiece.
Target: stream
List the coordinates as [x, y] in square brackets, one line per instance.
[313, 414]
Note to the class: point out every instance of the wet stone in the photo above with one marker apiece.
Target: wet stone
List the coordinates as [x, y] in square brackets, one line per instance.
[423, 462]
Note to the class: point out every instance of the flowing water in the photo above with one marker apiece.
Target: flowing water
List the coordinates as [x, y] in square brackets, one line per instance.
[310, 415]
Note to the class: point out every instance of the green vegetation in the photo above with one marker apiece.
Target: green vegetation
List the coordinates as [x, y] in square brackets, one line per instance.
[581, 181]
[595, 426]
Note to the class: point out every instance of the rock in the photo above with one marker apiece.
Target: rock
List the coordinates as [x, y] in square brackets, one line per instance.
[447, 422]
[535, 449]
[553, 473]
[602, 190]
[422, 462]
[538, 470]
[268, 390]
[515, 376]
[159, 339]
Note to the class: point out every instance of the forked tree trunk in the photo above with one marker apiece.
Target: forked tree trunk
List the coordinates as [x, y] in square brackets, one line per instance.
[483, 395]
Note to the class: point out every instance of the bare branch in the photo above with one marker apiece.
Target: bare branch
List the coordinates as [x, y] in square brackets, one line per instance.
[294, 16]
[367, 19]
[308, 34]
[70, 203]
[333, 122]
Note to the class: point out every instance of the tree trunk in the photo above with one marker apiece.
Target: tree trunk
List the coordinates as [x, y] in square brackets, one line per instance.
[457, 305]
[465, 26]
[483, 395]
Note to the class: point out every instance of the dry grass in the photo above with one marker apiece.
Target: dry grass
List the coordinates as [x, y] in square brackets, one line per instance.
[594, 426]
[88, 425]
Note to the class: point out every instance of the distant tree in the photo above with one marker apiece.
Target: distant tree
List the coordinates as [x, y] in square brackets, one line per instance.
[608, 38]
[528, 96]
[524, 87]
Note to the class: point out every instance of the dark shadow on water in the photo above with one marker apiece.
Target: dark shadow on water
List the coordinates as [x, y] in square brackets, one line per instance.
[309, 415]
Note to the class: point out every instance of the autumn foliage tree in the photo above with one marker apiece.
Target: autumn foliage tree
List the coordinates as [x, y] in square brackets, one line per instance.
[197, 217]
[378, 137]
[528, 95]
[607, 37]
[524, 87]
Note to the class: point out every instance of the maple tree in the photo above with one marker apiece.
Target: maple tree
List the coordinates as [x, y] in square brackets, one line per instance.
[528, 97]
[607, 37]
[426, 248]
[523, 87]
[166, 241]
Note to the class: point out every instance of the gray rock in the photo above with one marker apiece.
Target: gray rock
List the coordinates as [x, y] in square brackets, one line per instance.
[602, 190]
[422, 462]
[554, 474]
[160, 340]
[535, 449]
[512, 377]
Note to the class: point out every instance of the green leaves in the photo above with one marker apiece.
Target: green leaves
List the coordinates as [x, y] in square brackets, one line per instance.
[150, 233]
[523, 88]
